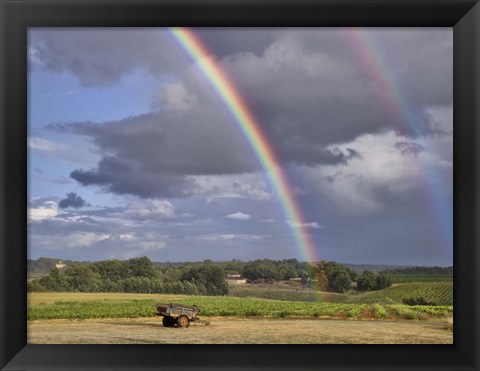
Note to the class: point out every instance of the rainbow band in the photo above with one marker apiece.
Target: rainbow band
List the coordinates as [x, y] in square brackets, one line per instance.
[243, 117]
[373, 61]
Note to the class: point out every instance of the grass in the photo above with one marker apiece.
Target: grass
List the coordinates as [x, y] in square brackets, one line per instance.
[83, 306]
[228, 330]
[449, 323]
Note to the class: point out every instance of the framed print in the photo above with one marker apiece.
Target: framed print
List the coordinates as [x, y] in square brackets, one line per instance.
[239, 185]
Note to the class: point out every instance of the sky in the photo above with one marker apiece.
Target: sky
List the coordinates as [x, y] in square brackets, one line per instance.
[132, 152]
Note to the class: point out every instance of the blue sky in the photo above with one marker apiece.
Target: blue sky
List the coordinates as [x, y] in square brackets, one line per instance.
[131, 153]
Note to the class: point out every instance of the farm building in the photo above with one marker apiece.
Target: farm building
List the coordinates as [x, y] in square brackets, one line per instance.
[60, 265]
[236, 279]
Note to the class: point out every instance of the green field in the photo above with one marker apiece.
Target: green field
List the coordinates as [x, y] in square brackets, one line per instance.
[83, 306]
[440, 293]
[402, 278]
[279, 292]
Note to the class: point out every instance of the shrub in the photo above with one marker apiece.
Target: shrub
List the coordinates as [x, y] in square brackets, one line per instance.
[404, 312]
[418, 300]
[379, 311]
[356, 311]
[283, 314]
[251, 313]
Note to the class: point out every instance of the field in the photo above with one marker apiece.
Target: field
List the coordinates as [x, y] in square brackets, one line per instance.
[280, 313]
[440, 293]
[225, 330]
[401, 278]
[83, 306]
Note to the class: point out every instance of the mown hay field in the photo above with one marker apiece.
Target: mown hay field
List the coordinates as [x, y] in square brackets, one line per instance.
[236, 330]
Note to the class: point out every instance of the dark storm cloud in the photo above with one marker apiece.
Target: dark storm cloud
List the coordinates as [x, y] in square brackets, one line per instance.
[409, 147]
[308, 87]
[72, 200]
[313, 88]
[309, 90]
[424, 76]
[225, 41]
[156, 154]
[121, 178]
[101, 56]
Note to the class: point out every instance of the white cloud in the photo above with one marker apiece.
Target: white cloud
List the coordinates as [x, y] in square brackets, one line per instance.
[44, 145]
[69, 241]
[314, 225]
[174, 97]
[267, 221]
[239, 216]
[149, 209]
[34, 57]
[249, 186]
[127, 237]
[72, 153]
[152, 245]
[388, 163]
[47, 209]
[229, 237]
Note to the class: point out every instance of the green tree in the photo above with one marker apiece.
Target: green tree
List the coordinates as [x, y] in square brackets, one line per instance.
[55, 281]
[338, 275]
[34, 286]
[367, 281]
[382, 282]
[141, 267]
[260, 269]
[285, 271]
[208, 277]
[113, 270]
[171, 274]
[340, 283]
[81, 278]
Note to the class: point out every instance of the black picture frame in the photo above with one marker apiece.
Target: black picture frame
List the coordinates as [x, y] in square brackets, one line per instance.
[17, 15]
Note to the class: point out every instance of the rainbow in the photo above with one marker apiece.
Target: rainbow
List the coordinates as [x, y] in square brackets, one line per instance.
[374, 62]
[249, 126]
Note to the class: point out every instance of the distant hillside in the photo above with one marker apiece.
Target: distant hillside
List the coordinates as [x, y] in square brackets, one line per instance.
[421, 270]
[359, 268]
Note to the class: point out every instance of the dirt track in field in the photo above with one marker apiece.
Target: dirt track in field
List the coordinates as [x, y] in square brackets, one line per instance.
[238, 331]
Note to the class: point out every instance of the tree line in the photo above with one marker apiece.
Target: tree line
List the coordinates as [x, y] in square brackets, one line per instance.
[141, 275]
[137, 275]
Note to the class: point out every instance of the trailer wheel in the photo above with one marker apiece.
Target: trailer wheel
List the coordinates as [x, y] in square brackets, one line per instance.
[183, 321]
[168, 321]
